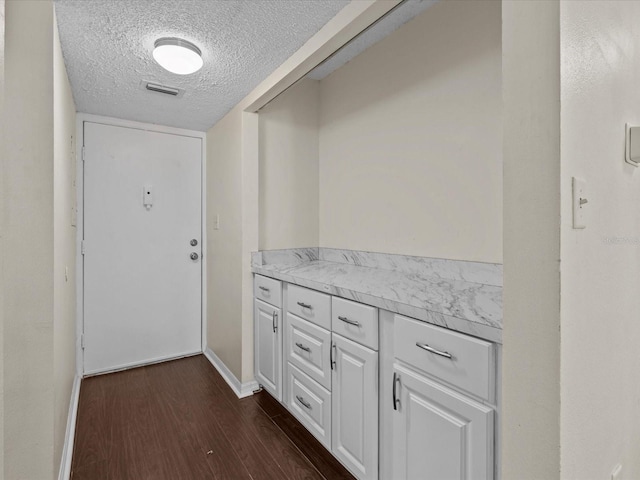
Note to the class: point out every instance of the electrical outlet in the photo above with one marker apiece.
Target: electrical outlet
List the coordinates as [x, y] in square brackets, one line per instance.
[616, 474]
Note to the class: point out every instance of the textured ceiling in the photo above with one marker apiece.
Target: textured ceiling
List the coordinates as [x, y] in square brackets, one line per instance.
[107, 47]
[387, 25]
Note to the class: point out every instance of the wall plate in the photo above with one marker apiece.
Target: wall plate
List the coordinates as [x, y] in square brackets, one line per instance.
[579, 186]
[632, 145]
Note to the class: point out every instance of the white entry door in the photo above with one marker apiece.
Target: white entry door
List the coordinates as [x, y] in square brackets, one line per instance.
[142, 233]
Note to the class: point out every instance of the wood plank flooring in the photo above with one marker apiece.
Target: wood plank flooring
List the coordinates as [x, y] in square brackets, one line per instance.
[180, 420]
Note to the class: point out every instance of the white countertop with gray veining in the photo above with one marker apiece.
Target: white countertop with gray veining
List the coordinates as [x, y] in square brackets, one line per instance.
[432, 290]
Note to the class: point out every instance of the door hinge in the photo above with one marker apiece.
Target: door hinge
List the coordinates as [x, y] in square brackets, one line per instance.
[82, 341]
[82, 247]
[83, 153]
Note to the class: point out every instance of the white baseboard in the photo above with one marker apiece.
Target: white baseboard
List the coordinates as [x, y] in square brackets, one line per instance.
[69, 438]
[242, 390]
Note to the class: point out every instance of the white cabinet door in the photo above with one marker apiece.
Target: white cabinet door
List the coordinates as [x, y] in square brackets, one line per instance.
[268, 347]
[439, 434]
[355, 407]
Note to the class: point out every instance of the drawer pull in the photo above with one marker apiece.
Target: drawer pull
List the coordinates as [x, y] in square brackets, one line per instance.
[350, 322]
[264, 289]
[302, 347]
[426, 347]
[305, 305]
[274, 321]
[304, 404]
[396, 400]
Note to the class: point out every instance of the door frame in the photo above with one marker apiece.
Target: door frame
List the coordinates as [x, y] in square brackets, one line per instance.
[81, 118]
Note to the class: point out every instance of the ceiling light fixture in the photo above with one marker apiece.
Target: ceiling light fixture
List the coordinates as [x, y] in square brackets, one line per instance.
[177, 55]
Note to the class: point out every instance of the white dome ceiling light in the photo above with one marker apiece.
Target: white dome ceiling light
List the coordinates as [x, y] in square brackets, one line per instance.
[177, 55]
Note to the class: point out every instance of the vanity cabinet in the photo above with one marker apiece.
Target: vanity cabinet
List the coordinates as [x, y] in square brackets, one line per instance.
[442, 428]
[268, 334]
[320, 356]
[332, 378]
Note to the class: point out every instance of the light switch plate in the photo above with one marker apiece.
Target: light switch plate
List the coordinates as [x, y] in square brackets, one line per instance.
[632, 145]
[579, 187]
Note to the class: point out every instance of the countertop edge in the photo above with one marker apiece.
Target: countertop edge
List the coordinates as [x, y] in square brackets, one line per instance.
[461, 325]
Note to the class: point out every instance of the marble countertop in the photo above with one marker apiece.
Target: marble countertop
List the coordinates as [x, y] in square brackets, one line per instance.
[442, 297]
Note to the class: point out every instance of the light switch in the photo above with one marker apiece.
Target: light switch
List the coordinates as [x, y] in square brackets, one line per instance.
[147, 197]
[579, 202]
[216, 222]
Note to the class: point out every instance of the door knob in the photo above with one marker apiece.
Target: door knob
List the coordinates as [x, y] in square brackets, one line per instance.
[194, 242]
[194, 256]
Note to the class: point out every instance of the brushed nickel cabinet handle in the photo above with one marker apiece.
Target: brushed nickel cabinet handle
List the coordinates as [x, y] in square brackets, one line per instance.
[302, 347]
[332, 361]
[264, 289]
[350, 322]
[304, 404]
[274, 321]
[305, 305]
[396, 400]
[429, 349]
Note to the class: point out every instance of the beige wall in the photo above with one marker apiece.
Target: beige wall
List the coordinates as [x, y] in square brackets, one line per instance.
[232, 147]
[600, 264]
[64, 246]
[531, 150]
[289, 169]
[410, 140]
[28, 243]
[224, 246]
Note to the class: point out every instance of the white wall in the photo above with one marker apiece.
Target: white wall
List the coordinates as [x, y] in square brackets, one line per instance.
[28, 197]
[289, 169]
[531, 151]
[600, 264]
[410, 140]
[64, 246]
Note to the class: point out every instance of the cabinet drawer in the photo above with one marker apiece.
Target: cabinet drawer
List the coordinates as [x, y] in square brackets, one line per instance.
[307, 347]
[311, 404]
[268, 290]
[310, 305]
[460, 360]
[355, 321]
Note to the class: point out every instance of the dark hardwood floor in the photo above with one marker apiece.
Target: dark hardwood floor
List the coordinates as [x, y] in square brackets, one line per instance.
[180, 420]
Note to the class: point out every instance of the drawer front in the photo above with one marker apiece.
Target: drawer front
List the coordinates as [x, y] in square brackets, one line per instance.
[311, 404]
[471, 365]
[355, 321]
[310, 305]
[307, 347]
[268, 290]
